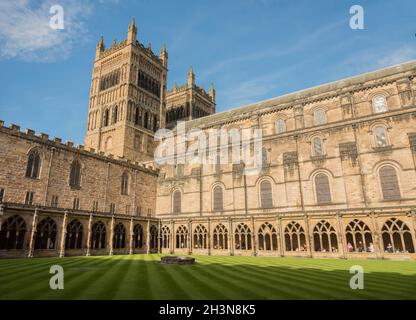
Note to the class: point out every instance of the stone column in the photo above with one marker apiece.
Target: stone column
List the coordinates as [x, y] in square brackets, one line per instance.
[88, 253]
[159, 237]
[280, 235]
[148, 237]
[63, 235]
[131, 249]
[2, 211]
[172, 238]
[378, 245]
[308, 236]
[253, 238]
[33, 234]
[230, 237]
[111, 244]
[209, 237]
[190, 236]
[341, 245]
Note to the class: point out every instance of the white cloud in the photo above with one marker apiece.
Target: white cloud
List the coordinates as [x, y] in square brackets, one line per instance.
[25, 33]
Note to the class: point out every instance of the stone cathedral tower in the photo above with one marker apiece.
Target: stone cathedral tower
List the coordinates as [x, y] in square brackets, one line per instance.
[127, 98]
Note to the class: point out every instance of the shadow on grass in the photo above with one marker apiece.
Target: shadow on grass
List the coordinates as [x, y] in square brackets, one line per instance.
[145, 278]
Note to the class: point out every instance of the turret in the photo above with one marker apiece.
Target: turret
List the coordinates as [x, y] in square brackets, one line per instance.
[191, 78]
[132, 32]
[164, 56]
[212, 92]
[100, 48]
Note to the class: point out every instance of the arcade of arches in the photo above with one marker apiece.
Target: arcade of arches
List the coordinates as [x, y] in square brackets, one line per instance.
[41, 234]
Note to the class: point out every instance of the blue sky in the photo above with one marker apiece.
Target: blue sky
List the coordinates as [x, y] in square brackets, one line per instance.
[251, 49]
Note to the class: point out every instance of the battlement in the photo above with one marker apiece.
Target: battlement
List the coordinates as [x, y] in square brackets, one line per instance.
[43, 138]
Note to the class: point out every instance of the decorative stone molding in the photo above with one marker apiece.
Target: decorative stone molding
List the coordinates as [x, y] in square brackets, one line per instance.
[348, 151]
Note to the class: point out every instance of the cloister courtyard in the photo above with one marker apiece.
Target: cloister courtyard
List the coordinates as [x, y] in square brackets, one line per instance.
[142, 277]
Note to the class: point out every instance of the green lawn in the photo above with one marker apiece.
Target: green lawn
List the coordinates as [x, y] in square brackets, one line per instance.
[142, 277]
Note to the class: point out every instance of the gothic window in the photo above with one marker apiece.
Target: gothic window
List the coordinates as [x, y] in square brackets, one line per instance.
[323, 192]
[29, 198]
[389, 183]
[119, 238]
[12, 234]
[1, 195]
[320, 117]
[358, 236]
[397, 237]
[317, 147]
[295, 239]
[146, 120]
[137, 117]
[154, 123]
[200, 237]
[267, 236]
[138, 236]
[177, 202]
[75, 175]
[153, 237]
[106, 119]
[217, 194]
[380, 136]
[165, 237]
[125, 184]
[280, 126]
[74, 233]
[98, 236]
[266, 194]
[220, 240]
[242, 237]
[33, 165]
[325, 237]
[115, 115]
[380, 104]
[46, 232]
[182, 237]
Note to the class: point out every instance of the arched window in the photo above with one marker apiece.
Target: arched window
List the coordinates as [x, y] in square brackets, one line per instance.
[242, 237]
[12, 234]
[165, 237]
[115, 114]
[125, 184]
[182, 237]
[46, 232]
[106, 120]
[119, 237]
[220, 240]
[359, 237]
[266, 196]
[267, 237]
[389, 183]
[146, 120]
[295, 239]
[325, 237]
[380, 136]
[380, 104]
[320, 117]
[138, 236]
[74, 233]
[323, 192]
[75, 176]
[33, 165]
[153, 237]
[137, 117]
[200, 237]
[280, 126]
[218, 199]
[177, 202]
[98, 236]
[397, 237]
[318, 149]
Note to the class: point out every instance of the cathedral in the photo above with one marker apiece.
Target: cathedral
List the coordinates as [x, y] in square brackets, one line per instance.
[337, 178]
